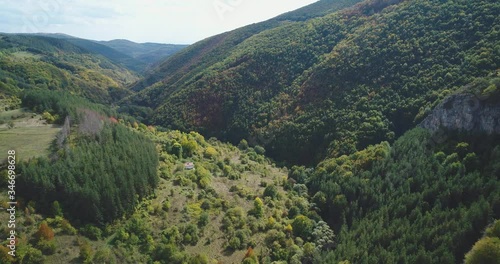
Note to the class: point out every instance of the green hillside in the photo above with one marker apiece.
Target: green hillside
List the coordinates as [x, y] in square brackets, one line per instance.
[331, 84]
[196, 58]
[115, 191]
[29, 62]
[137, 57]
[408, 203]
[342, 132]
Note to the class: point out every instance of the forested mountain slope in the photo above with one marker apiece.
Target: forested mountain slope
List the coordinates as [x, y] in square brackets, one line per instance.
[116, 56]
[394, 104]
[116, 191]
[413, 202]
[427, 197]
[29, 62]
[331, 84]
[137, 57]
[198, 57]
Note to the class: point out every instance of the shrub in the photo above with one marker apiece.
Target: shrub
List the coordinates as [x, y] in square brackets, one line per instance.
[300, 189]
[249, 261]
[104, 255]
[205, 205]
[258, 209]
[190, 234]
[204, 177]
[67, 228]
[227, 170]
[271, 191]
[122, 235]
[169, 253]
[56, 209]
[243, 145]
[91, 232]
[302, 226]
[33, 256]
[47, 247]
[49, 117]
[243, 235]
[234, 243]
[271, 223]
[85, 251]
[182, 180]
[199, 259]
[166, 205]
[172, 235]
[274, 236]
[177, 150]
[234, 218]
[259, 150]
[234, 176]
[204, 219]
[189, 147]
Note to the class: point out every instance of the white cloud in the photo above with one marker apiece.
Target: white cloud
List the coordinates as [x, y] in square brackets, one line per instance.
[172, 21]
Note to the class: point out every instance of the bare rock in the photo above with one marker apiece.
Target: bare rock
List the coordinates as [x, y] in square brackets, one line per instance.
[465, 113]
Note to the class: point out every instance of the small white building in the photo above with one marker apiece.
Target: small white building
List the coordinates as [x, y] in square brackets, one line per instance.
[189, 166]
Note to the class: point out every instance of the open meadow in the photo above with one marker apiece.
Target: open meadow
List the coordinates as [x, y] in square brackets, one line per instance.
[26, 133]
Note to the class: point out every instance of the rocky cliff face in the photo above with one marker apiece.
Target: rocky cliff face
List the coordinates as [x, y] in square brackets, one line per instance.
[465, 113]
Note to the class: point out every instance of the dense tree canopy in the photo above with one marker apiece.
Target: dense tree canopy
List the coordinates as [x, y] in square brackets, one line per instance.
[411, 202]
[328, 85]
[338, 90]
[97, 176]
[29, 62]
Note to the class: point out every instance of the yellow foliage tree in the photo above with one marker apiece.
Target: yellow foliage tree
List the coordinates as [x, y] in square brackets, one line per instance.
[485, 251]
[210, 153]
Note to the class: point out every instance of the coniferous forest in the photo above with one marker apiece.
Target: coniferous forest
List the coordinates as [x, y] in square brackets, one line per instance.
[99, 179]
[346, 131]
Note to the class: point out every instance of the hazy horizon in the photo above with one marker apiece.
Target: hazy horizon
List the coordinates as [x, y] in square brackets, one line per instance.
[156, 21]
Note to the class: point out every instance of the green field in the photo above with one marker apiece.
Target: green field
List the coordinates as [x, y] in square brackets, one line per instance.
[30, 136]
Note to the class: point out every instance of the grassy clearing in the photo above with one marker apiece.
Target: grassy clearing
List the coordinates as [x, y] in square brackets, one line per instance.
[28, 142]
[25, 55]
[30, 136]
[12, 114]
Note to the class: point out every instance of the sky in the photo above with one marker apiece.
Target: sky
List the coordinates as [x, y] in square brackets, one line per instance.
[161, 21]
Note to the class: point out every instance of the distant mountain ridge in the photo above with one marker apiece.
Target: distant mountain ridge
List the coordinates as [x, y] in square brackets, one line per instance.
[137, 57]
[32, 62]
[148, 53]
[84, 67]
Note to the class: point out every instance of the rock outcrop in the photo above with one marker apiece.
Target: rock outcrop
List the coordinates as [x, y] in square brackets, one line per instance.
[465, 113]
